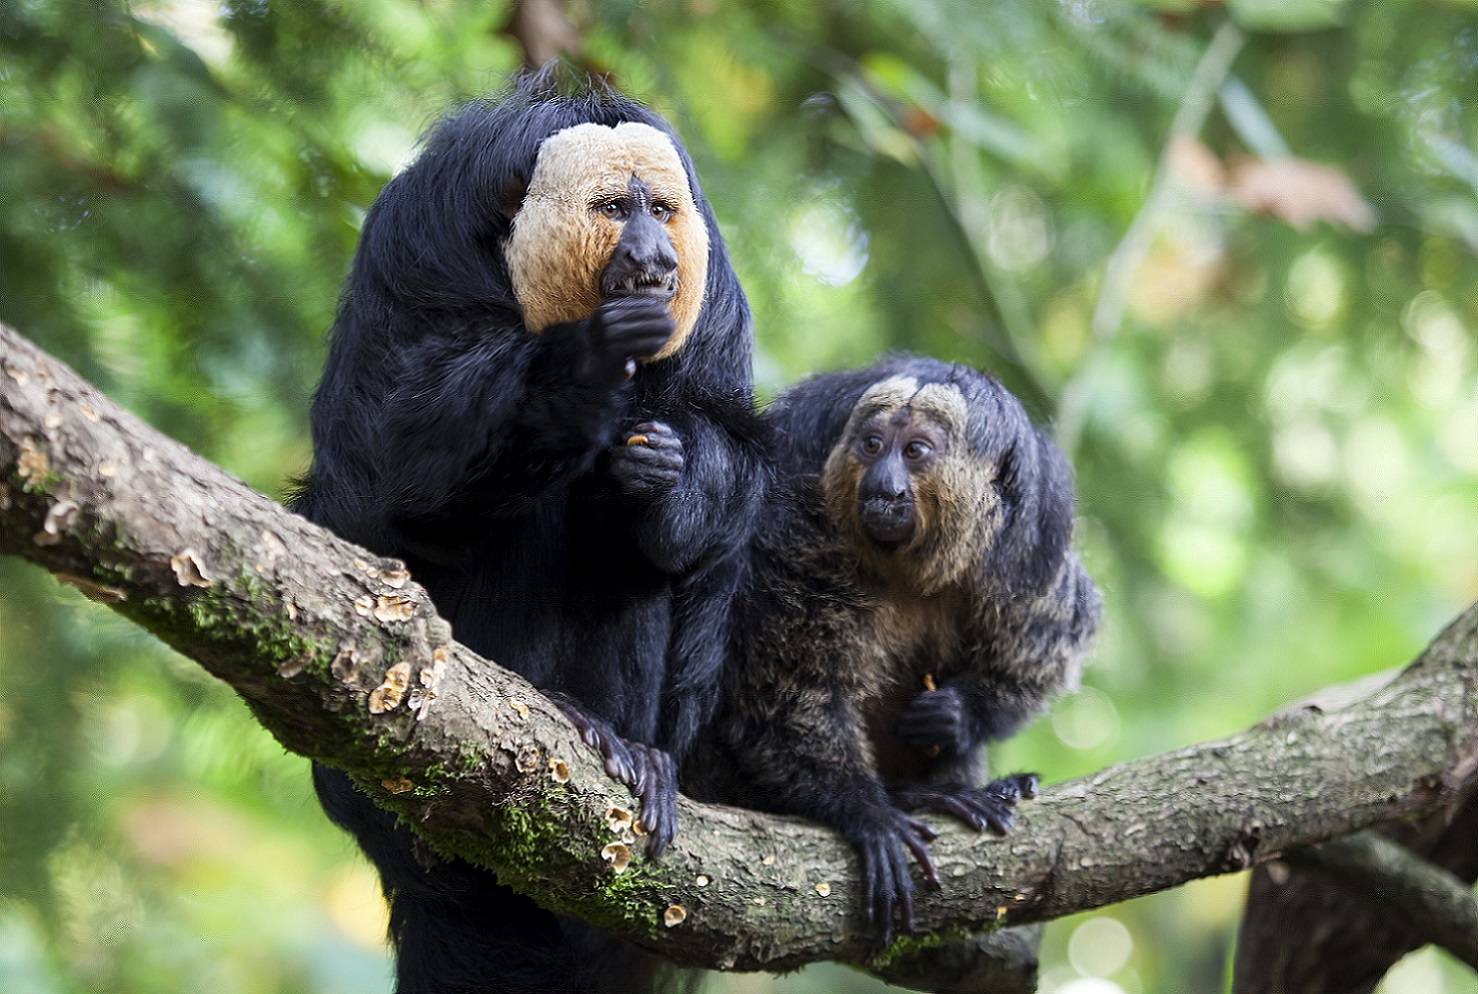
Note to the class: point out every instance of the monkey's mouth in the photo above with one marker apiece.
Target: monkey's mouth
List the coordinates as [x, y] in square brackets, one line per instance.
[888, 523]
[658, 286]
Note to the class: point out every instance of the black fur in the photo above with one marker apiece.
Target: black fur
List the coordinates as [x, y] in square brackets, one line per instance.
[446, 434]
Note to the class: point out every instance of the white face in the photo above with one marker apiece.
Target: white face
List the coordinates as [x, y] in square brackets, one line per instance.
[561, 241]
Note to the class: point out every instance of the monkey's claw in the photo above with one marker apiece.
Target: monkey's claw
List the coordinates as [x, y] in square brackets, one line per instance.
[649, 461]
[992, 807]
[887, 888]
[650, 772]
[656, 788]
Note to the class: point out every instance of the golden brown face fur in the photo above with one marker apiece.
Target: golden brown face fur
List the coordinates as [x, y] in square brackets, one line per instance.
[560, 244]
[958, 510]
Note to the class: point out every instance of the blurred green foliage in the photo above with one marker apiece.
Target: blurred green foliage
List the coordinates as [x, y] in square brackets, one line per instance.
[1276, 436]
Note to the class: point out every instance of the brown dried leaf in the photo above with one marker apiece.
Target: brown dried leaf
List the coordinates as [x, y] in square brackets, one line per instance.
[388, 695]
[31, 463]
[399, 785]
[1299, 192]
[519, 708]
[188, 569]
[618, 854]
[618, 819]
[395, 607]
[1196, 167]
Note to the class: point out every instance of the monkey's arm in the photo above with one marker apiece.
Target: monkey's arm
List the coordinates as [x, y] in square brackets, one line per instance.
[489, 426]
[1024, 649]
[693, 479]
[800, 750]
[692, 488]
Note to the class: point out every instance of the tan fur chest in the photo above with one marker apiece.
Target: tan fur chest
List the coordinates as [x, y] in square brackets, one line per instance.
[909, 637]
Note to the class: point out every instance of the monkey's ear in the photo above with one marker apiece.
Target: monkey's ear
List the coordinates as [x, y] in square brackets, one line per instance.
[1037, 489]
[508, 198]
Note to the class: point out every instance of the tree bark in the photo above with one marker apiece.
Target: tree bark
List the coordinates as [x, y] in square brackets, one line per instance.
[1303, 931]
[340, 655]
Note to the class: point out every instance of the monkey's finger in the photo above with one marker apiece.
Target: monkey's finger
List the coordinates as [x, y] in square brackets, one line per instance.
[998, 816]
[661, 817]
[920, 850]
[619, 764]
[650, 453]
[904, 892]
[870, 870]
[642, 342]
[1029, 784]
[922, 829]
[637, 440]
[641, 770]
[885, 900]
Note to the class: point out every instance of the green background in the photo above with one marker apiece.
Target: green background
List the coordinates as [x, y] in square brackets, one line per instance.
[1276, 435]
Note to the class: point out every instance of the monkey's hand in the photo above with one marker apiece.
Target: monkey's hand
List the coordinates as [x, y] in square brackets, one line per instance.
[883, 840]
[990, 807]
[650, 772]
[938, 722]
[620, 332]
[650, 462]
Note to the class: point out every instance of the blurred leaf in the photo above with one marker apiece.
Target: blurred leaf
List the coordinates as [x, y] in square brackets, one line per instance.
[1287, 15]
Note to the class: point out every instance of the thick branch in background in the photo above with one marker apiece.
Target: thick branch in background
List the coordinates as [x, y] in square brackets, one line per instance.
[340, 655]
[1302, 930]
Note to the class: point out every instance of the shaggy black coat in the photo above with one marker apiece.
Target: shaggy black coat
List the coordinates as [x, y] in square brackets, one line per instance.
[861, 689]
[446, 434]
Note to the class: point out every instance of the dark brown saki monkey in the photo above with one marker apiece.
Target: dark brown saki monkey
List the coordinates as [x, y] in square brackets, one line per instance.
[538, 393]
[913, 595]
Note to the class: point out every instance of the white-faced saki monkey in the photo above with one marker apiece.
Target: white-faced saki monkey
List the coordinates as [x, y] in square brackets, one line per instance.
[538, 393]
[913, 595]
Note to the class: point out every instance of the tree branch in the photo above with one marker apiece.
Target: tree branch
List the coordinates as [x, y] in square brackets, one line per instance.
[1428, 900]
[341, 656]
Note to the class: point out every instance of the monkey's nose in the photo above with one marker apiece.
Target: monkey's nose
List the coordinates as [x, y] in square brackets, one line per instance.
[651, 258]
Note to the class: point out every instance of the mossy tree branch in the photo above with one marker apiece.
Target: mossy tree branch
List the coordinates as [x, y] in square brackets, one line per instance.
[340, 655]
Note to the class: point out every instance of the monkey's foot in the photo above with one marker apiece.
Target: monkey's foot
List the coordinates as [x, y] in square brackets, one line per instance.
[887, 888]
[990, 807]
[650, 772]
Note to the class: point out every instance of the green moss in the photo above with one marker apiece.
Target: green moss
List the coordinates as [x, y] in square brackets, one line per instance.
[906, 946]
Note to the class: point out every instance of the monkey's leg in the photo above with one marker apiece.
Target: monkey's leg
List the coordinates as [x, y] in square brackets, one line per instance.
[650, 772]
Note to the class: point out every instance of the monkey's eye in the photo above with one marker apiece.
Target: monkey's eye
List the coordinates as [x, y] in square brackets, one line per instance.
[662, 212]
[917, 450]
[612, 209]
[872, 444]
